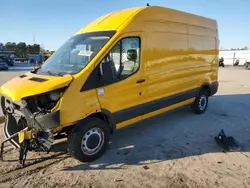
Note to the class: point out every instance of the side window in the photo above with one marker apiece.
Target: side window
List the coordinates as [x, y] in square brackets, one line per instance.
[124, 58]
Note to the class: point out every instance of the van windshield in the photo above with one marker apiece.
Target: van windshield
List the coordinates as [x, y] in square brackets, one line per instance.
[75, 53]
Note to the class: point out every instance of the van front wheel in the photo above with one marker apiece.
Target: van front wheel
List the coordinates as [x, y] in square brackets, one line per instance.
[89, 139]
[200, 104]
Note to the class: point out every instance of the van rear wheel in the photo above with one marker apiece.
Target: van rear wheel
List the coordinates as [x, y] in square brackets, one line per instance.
[89, 139]
[201, 102]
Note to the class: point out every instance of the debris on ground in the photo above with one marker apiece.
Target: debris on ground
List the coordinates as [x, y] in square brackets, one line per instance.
[118, 180]
[145, 167]
[228, 143]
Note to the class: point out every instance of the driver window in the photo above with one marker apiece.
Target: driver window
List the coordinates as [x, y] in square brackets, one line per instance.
[124, 58]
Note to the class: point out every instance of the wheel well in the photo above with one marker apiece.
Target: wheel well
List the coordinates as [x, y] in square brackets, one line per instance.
[206, 88]
[105, 118]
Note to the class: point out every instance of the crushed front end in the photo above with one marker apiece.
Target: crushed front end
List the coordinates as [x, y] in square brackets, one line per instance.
[29, 122]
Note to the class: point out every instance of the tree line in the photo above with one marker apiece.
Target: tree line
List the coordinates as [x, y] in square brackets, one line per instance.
[21, 49]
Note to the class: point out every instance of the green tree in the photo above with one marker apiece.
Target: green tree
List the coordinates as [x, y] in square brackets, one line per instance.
[29, 49]
[10, 46]
[36, 48]
[21, 49]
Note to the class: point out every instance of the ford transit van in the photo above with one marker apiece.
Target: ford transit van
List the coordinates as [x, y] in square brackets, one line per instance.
[121, 68]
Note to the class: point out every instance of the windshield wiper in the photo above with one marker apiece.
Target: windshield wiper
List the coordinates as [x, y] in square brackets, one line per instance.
[35, 70]
[41, 71]
[55, 73]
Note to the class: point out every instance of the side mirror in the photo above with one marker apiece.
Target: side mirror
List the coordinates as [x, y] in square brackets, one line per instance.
[106, 72]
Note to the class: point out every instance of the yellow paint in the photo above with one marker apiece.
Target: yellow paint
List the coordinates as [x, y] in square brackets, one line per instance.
[168, 108]
[112, 21]
[18, 88]
[154, 113]
[20, 137]
[128, 122]
[25, 135]
[179, 52]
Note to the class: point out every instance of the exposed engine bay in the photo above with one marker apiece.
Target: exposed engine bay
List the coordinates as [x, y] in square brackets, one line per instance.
[30, 121]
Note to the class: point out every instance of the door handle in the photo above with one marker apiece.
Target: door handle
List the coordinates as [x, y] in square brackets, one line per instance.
[140, 81]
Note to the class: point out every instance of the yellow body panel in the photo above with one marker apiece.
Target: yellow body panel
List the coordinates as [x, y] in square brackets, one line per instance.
[154, 113]
[112, 21]
[18, 88]
[25, 135]
[21, 137]
[179, 53]
[126, 93]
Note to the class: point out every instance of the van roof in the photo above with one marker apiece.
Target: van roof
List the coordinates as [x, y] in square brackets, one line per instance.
[114, 20]
[110, 21]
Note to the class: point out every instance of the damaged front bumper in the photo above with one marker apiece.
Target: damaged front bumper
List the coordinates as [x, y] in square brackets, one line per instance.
[27, 130]
[49, 121]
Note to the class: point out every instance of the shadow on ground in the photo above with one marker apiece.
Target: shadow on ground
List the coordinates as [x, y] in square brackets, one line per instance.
[175, 135]
[178, 134]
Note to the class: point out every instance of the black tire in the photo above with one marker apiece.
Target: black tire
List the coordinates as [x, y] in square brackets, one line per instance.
[79, 142]
[201, 102]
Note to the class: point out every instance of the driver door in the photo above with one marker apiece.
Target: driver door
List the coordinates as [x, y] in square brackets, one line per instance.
[123, 96]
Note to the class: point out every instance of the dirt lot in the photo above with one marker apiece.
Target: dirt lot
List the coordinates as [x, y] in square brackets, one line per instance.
[176, 149]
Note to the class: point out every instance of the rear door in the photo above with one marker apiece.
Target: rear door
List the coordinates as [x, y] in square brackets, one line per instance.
[124, 96]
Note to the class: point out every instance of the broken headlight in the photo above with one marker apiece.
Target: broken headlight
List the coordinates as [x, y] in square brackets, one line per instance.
[55, 95]
[45, 101]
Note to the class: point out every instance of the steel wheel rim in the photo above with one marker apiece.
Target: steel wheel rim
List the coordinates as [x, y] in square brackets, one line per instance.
[202, 102]
[85, 145]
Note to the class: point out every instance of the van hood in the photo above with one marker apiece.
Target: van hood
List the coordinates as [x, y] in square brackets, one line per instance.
[30, 84]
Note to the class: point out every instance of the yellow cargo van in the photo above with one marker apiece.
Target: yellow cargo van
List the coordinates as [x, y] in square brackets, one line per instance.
[119, 69]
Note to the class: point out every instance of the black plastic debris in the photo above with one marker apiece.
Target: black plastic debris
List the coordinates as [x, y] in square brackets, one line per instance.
[145, 167]
[228, 143]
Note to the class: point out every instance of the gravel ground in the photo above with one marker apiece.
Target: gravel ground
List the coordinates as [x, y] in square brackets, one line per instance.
[176, 149]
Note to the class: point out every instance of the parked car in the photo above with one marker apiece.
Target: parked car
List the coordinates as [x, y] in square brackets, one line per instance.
[3, 65]
[8, 61]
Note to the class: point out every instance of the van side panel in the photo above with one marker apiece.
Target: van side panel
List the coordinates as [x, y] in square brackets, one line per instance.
[201, 31]
[180, 59]
[167, 55]
[201, 56]
[202, 22]
[204, 53]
